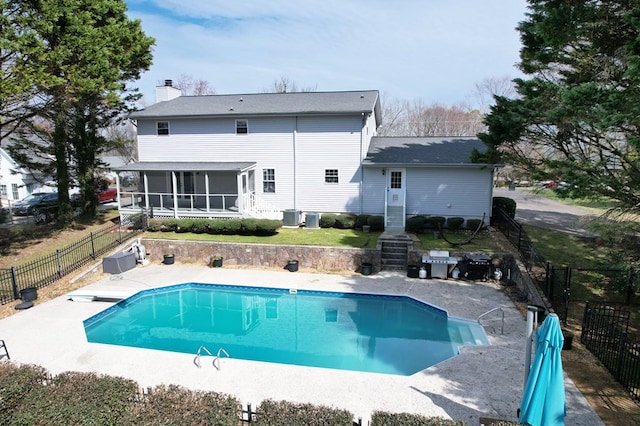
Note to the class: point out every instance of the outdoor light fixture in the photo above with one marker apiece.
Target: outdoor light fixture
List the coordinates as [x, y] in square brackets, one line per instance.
[383, 171]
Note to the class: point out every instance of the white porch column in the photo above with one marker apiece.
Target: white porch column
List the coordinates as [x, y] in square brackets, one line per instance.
[174, 182]
[145, 180]
[239, 193]
[206, 190]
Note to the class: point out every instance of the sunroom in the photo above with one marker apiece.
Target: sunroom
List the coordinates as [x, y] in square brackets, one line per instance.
[190, 190]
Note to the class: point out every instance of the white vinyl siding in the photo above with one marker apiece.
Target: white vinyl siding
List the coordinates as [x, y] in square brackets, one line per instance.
[269, 144]
[328, 143]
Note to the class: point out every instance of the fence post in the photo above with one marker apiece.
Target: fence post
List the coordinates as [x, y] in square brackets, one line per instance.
[93, 247]
[120, 232]
[59, 263]
[14, 283]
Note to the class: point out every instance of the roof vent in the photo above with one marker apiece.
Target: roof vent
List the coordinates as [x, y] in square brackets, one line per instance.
[168, 83]
[241, 99]
[231, 109]
[361, 96]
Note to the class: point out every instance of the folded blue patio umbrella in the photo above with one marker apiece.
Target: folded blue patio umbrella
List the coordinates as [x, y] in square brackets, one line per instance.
[543, 398]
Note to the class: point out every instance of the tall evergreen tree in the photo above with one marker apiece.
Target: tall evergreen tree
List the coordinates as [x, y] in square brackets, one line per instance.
[92, 51]
[576, 115]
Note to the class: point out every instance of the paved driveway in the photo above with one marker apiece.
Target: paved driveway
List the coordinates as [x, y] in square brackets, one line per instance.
[536, 210]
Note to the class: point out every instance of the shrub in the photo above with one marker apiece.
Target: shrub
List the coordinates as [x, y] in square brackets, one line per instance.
[175, 405]
[230, 226]
[16, 382]
[277, 413]
[184, 225]
[432, 222]
[473, 224]
[376, 223]
[415, 224]
[381, 418]
[200, 226]
[155, 225]
[268, 227]
[345, 221]
[170, 225]
[361, 220]
[454, 223]
[507, 204]
[328, 220]
[248, 226]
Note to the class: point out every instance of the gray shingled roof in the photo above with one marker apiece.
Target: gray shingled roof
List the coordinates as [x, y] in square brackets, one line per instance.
[422, 151]
[185, 166]
[265, 104]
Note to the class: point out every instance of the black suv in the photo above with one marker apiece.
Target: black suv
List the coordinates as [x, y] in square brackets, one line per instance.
[36, 201]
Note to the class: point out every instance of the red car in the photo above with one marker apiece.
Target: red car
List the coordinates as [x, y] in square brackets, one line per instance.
[107, 195]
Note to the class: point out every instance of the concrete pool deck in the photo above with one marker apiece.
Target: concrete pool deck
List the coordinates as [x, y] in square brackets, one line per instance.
[483, 381]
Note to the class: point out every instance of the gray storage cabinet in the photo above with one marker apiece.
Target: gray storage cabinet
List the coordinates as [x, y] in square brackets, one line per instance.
[119, 262]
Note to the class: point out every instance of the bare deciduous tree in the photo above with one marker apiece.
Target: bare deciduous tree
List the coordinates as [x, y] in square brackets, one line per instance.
[192, 87]
[286, 85]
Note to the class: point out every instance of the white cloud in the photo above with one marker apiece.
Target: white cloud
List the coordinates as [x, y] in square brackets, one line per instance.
[435, 50]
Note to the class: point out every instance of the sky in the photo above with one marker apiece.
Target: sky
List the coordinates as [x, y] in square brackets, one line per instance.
[432, 50]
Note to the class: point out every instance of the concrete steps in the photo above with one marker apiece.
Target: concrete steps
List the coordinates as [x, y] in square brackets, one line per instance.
[394, 250]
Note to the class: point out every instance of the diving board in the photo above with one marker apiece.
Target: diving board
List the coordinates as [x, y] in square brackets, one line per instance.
[88, 295]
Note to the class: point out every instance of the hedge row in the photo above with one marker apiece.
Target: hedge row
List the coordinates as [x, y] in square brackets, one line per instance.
[350, 221]
[420, 223]
[506, 204]
[216, 226]
[30, 395]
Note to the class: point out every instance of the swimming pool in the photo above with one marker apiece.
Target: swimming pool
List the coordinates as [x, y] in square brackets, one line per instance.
[350, 331]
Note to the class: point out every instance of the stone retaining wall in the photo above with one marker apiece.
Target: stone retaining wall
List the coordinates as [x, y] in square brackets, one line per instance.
[329, 259]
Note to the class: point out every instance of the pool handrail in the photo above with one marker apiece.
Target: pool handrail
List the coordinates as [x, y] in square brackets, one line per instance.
[499, 308]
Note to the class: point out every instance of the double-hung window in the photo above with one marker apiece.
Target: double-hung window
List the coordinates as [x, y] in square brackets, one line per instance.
[163, 128]
[331, 176]
[268, 180]
[242, 127]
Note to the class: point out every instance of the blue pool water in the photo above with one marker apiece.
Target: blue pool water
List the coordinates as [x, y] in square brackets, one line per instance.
[349, 331]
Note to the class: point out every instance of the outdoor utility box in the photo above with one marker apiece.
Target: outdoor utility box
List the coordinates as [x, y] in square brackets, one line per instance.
[312, 220]
[290, 218]
[119, 262]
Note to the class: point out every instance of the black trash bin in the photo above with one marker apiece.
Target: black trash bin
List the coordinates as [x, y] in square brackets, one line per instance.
[29, 294]
[292, 265]
[169, 259]
[413, 271]
[366, 268]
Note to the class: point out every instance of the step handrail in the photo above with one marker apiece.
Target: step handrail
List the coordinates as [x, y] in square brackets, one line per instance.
[200, 349]
[217, 358]
[490, 311]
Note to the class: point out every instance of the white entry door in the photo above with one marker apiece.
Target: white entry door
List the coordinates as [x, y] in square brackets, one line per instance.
[396, 194]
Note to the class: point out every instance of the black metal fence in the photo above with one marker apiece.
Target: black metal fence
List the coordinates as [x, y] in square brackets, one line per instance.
[605, 335]
[553, 281]
[45, 270]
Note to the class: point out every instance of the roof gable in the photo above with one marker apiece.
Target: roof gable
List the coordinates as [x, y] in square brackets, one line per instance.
[421, 151]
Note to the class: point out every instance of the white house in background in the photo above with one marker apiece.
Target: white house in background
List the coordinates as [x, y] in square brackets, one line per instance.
[259, 155]
[15, 181]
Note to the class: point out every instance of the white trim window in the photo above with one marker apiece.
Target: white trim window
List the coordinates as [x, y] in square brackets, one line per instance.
[14, 191]
[331, 176]
[268, 180]
[242, 127]
[3, 190]
[162, 128]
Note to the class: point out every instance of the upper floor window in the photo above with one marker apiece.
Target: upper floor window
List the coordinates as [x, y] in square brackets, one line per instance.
[331, 176]
[163, 128]
[3, 190]
[14, 191]
[268, 180]
[242, 127]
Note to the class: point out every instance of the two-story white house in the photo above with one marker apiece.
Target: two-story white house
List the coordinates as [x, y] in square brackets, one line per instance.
[259, 155]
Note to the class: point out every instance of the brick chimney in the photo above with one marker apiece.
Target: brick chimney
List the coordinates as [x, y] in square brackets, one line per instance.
[167, 92]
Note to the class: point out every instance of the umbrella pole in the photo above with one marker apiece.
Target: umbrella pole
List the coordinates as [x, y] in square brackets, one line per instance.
[532, 321]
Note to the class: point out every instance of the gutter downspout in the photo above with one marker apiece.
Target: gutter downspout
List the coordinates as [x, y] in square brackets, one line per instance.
[362, 155]
[295, 168]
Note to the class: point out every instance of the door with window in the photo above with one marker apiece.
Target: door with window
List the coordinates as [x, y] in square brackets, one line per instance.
[396, 194]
